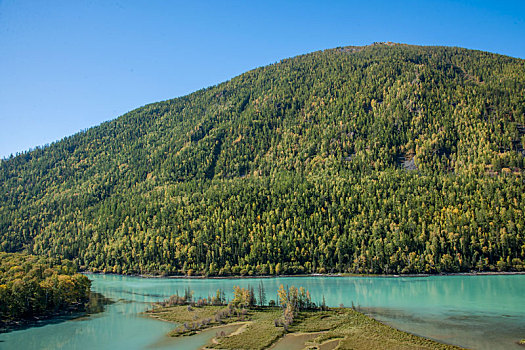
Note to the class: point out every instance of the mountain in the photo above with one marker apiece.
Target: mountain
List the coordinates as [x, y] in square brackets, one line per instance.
[387, 158]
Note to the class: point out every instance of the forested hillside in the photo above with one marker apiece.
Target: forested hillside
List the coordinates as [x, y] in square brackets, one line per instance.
[380, 159]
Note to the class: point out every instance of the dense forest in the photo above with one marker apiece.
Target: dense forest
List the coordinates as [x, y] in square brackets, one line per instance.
[37, 286]
[386, 158]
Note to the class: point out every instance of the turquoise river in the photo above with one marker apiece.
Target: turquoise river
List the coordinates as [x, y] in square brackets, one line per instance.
[479, 312]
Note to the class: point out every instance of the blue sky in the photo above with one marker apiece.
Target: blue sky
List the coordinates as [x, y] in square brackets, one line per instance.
[69, 65]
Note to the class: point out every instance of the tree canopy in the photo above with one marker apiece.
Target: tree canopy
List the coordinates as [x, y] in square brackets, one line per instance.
[35, 286]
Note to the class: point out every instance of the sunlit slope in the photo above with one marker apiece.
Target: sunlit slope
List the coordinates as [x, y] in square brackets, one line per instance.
[383, 159]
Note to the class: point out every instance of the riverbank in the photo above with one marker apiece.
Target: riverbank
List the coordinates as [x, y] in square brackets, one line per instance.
[344, 328]
[200, 277]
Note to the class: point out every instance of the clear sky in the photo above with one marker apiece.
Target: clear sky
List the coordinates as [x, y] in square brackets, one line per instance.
[69, 65]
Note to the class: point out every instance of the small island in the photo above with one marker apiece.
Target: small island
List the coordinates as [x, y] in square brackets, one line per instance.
[292, 322]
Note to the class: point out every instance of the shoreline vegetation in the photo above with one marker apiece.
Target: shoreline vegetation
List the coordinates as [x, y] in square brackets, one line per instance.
[292, 322]
[472, 273]
[34, 289]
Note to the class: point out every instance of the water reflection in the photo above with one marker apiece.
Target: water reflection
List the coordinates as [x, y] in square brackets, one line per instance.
[96, 304]
[490, 331]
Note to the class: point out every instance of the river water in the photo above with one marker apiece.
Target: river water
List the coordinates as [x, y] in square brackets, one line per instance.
[480, 312]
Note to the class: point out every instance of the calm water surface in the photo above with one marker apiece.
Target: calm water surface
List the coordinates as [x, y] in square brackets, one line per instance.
[481, 312]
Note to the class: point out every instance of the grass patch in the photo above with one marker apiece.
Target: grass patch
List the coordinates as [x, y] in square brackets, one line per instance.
[353, 329]
[260, 334]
